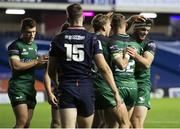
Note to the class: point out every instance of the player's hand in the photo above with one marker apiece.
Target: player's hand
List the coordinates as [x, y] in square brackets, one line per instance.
[52, 100]
[109, 14]
[43, 59]
[131, 51]
[117, 99]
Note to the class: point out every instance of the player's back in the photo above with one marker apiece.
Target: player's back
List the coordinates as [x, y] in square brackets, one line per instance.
[121, 42]
[75, 49]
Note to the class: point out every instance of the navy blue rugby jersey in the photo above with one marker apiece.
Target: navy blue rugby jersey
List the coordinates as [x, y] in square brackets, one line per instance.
[104, 42]
[75, 49]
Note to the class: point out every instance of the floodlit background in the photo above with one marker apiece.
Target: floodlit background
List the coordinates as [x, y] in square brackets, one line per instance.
[50, 15]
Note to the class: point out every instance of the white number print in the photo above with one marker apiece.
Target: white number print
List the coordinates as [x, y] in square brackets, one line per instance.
[129, 68]
[130, 65]
[74, 52]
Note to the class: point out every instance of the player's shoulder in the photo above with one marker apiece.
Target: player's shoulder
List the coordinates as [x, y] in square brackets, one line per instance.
[14, 44]
[120, 37]
[149, 42]
[103, 38]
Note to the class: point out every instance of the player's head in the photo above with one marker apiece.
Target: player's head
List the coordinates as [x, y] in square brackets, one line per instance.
[118, 22]
[74, 13]
[101, 23]
[28, 29]
[142, 28]
[64, 26]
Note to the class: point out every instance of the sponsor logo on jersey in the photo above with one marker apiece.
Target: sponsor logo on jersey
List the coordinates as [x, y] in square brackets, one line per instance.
[24, 53]
[74, 37]
[24, 50]
[30, 48]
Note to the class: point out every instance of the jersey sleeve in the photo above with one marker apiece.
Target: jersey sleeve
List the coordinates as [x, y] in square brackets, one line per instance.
[115, 48]
[97, 46]
[53, 51]
[13, 50]
[150, 47]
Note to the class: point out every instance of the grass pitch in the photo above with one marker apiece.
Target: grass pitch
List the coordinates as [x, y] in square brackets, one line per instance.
[165, 113]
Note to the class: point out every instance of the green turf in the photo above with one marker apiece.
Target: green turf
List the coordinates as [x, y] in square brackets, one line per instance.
[165, 113]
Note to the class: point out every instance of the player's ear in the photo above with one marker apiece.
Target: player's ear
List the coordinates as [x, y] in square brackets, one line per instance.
[103, 28]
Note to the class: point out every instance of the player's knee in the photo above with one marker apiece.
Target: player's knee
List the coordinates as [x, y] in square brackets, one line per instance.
[125, 124]
[21, 122]
[56, 124]
[136, 121]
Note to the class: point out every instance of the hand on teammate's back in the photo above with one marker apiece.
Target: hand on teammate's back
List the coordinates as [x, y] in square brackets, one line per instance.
[43, 59]
[131, 51]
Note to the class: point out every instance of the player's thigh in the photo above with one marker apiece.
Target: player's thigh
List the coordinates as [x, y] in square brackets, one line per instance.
[121, 114]
[21, 112]
[129, 95]
[85, 103]
[143, 97]
[85, 122]
[55, 113]
[17, 97]
[130, 111]
[111, 119]
[68, 117]
[55, 117]
[99, 119]
[105, 100]
[30, 114]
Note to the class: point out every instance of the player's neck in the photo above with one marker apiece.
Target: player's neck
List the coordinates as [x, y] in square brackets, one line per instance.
[76, 26]
[101, 33]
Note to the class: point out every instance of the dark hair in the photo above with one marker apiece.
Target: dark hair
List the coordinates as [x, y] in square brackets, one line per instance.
[27, 22]
[99, 21]
[74, 11]
[118, 20]
[141, 24]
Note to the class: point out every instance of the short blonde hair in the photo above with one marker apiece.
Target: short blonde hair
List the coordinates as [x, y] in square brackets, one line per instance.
[99, 21]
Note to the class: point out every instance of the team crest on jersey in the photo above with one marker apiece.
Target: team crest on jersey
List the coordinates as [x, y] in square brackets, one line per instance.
[24, 50]
[141, 99]
[18, 97]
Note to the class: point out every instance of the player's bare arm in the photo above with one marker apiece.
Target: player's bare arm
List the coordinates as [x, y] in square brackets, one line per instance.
[52, 70]
[47, 83]
[121, 60]
[16, 64]
[145, 60]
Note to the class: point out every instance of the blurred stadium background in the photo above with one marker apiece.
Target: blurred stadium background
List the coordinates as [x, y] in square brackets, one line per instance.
[50, 14]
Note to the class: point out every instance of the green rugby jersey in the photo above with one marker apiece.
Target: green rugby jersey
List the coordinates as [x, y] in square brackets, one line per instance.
[142, 75]
[26, 53]
[118, 44]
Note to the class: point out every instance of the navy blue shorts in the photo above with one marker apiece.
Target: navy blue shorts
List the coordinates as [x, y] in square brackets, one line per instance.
[79, 95]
